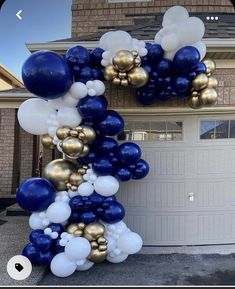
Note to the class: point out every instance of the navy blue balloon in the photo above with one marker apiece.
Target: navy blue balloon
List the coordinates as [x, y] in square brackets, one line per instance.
[47, 74]
[186, 59]
[78, 55]
[88, 217]
[34, 235]
[148, 68]
[31, 253]
[181, 84]
[145, 97]
[155, 52]
[96, 56]
[164, 67]
[123, 174]
[96, 199]
[58, 228]
[201, 68]
[43, 243]
[44, 258]
[86, 74]
[113, 212]
[128, 153]
[111, 123]
[92, 106]
[97, 73]
[56, 247]
[76, 203]
[191, 75]
[142, 169]
[35, 194]
[74, 217]
[106, 146]
[103, 166]
[87, 159]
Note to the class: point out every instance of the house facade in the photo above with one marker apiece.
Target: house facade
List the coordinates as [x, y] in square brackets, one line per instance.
[188, 198]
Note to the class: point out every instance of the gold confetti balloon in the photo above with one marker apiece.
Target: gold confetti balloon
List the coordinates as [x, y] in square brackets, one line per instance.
[123, 61]
[138, 77]
[47, 142]
[200, 81]
[58, 172]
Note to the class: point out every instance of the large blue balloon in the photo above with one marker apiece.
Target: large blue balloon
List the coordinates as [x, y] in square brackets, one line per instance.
[96, 56]
[186, 59]
[35, 194]
[128, 153]
[106, 145]
[31, 253]
[155, 52]
[123, 174]
[43, 243]
[78, 55]
[103, 166]
[142, 169]
[113, 212]
[111, 123]
[47, 74]
[92, 106]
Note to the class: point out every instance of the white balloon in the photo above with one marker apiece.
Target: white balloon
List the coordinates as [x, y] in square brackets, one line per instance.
[201, 47]
[69, 116]
[52, 131]
[117, 259]
[143, 51]
[35, 222]
[130, 243]
[85, 189]
[106, 185]
[99, 87]
[33, 115]
[103, 43]
[175, 15]
[91, 92]
[191, 31]
[78, 248]
[111, 243]
[58, 212]
[69, 100]
[170, 42]
[56, 103]
[119, 40]
[78, 90]
[86, 266]
[90, 84]
[61, 266]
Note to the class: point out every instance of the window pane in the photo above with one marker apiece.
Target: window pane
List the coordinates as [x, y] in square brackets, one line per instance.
[158, 131]
[141, 130]
[174, 130]
[207, 129]
[221, 129]
[232, 128]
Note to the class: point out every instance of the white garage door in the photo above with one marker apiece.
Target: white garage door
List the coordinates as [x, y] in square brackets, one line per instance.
[188, 198]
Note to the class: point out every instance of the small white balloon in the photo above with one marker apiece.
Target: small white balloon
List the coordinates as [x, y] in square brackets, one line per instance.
[78, 248]
[61, 266]
[99, 87]
[105, 62]
[91, 92]
[69, 116]
[52, 131]
[130, 243]
[73, 193]
[117, 259]
[106, 185]
[35, 222]
[86, 266]
[58, 212]
[69, 101]
[85, 189]
[111, 243]
[78, 90]
[90, 84]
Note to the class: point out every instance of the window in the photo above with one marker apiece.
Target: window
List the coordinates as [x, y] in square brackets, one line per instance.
[152, 131]
[217, 129]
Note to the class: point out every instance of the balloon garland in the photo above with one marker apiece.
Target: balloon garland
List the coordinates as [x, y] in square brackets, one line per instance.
[76, 219]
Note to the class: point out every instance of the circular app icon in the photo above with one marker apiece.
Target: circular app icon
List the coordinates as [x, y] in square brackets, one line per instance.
[19, 267]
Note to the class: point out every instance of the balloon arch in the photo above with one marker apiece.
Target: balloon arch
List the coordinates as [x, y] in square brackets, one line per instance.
[76, 219]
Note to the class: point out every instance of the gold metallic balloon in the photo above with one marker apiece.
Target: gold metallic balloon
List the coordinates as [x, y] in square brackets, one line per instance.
[210, 65]
[137, 61]
[75, 230]
[71, 146]
[93, 231]
[194, 102]
[138, 77]
[73, 132]
[76, 179]
[47, 142]
[85, 151]
[135, 53]
[102, 241]
[116, 81]
[208, 96]
[123, 60]
[212, 82]
[63, 132]
[58, 172]
[97, 256]
[122, 75]
[110, 72]
[87, 135]
[124, 82]
[200, 81]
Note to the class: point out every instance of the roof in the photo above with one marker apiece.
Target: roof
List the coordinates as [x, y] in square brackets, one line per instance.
[145, 29]
[9, 75]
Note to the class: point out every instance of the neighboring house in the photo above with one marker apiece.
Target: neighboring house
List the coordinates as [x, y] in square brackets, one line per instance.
[188, 198]
[8, 80]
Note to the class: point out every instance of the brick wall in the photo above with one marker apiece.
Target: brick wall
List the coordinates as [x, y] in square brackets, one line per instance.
[89, 16]
[119, 97]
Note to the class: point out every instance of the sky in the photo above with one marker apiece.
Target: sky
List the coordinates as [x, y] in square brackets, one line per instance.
[42, 21]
